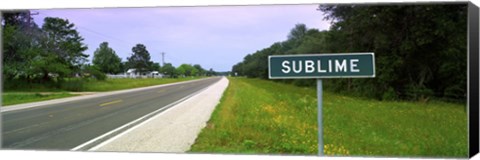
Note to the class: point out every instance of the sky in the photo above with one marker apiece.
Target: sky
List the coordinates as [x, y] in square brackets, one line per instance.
[215, 37]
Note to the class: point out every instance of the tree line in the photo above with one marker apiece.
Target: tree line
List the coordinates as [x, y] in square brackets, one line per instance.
[420, 50]
[106, 60]
[54, 52]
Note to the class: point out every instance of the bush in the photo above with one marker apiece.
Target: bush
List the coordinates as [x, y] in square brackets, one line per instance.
[305, 82]
[420, 93]
[73, 85]
[389, 95]
[94, 72]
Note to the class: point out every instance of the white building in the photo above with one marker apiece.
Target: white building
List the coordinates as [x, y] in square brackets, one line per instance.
[131, 73]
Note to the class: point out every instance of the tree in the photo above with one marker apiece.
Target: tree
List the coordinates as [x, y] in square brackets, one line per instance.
[21, 44]
[187, 70]
[17, 18]
[124, 66]
[168, 69]
[194, 72]
[106, 60]
[297, 34]
[90, 71]
[37, 55]
[237, 69]
[201, 71]
[155, 66]
[180, 71]
[211, 72]
[420, 50]
[140, 59]
[63, 49]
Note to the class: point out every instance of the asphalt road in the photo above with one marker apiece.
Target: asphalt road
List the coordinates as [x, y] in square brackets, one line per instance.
[83, 124]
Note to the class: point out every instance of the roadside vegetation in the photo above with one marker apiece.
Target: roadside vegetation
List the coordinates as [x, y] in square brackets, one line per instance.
[420, 50]
[51, 58]
[125, 83]
[92, 85]
[24, 92]
[20, 97]
[260, 116]
[53, 54]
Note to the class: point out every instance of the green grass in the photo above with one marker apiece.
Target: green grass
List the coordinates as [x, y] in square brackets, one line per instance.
[127, 83]
[90, 85]
[258, 116]
[18, 98]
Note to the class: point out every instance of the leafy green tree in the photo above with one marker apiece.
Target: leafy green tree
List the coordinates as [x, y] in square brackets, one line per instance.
[40, 55]
[187, 70]
[54, 51]
[201, 71]
[21, 44]
[420, 50]
[63, 47]
[237, 69]
[140, 59]
[92, 71]
[123, 67]
[106, 60]
[298, 32]
[211, 72]
[168, 69]
[155, 67]
[180, 71]
[18, 18]
[194, 72]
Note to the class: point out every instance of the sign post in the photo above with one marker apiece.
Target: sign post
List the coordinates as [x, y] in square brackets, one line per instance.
[319, 116]
[319, 66]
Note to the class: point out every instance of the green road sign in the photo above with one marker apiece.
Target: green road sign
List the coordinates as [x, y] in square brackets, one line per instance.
[341, 65]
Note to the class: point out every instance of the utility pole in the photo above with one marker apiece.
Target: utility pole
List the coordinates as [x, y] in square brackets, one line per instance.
[163, 59]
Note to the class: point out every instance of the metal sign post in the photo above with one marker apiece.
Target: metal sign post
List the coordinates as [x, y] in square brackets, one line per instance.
[319, 66]
[319, 117]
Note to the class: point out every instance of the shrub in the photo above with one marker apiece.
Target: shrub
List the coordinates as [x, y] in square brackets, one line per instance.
[389, 95]
[73, 85]
[94, 72]
[417, 92]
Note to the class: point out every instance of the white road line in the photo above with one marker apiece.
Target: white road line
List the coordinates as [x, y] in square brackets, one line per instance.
[167, 107]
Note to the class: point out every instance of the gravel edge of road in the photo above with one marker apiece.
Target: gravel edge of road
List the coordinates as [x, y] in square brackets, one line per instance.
[173, 130]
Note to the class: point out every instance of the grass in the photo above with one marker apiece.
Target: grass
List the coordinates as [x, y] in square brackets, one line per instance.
[25, 93]
[18, 98]
[90, 85]
[127, 83]
[259, 116]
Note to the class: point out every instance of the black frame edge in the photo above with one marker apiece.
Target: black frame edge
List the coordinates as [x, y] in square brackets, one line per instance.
[473, 101]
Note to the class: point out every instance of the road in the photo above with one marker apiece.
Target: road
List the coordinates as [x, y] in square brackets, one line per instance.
[82, 124]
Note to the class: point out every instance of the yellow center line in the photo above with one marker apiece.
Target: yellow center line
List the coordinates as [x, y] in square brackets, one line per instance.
[163, 90]
[109, 103]
[182, 86]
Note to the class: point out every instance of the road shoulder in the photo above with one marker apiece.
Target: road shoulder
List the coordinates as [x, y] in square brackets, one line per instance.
[173, 130]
